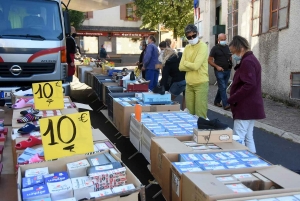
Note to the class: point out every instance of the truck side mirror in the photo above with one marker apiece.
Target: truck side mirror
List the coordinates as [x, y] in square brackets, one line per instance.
[67, 23]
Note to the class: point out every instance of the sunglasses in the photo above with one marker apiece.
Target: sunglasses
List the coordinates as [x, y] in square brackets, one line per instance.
[191, 37]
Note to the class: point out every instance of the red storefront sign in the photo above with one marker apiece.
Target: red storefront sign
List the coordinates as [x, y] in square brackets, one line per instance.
[131, 34]
[92, 33]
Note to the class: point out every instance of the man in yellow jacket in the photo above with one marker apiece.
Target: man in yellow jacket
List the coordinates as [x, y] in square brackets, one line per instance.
[194, 63]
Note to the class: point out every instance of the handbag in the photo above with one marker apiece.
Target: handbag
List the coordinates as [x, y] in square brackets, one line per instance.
[229, 61]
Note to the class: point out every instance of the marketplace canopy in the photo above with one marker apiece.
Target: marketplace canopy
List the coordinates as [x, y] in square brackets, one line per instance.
[91, 5]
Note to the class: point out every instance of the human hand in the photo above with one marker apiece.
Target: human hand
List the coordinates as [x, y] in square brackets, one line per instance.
[220, 69]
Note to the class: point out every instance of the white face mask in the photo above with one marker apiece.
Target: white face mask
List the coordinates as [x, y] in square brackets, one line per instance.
[160, 58]
[194, 41]
[147, 41]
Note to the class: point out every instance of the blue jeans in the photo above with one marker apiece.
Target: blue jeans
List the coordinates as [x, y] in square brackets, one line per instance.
[69, 78]
[222, 79]
[152, 75]
[177, 88]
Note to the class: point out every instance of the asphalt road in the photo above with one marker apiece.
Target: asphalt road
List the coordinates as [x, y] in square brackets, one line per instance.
[269, 146]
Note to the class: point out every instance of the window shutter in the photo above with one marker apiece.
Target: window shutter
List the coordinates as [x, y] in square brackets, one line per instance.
[256, 18]
[123, 12]
[283, 14]
[265, 16]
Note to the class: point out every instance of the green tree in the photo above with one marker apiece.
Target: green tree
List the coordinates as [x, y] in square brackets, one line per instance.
[76, 18]
[173, 14]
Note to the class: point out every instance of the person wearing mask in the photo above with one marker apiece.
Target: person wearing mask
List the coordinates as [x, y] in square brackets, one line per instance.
[170, 69]
[220, 60]
[245, 99]
[162, 46]
[194, 63]
[142, 47]
[103, 53]
[150, 60]
[71, 50]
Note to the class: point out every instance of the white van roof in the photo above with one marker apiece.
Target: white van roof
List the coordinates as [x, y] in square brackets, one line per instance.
[91, 5]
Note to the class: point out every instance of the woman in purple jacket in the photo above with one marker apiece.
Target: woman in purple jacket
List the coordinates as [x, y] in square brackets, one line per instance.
[245, 94]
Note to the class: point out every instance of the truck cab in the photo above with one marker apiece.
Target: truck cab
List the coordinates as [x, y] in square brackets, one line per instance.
[32, 43]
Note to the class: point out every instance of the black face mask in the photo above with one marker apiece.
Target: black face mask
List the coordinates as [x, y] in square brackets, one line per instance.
[74, 35]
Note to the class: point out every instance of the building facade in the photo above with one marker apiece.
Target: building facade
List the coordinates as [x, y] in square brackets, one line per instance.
[117, 28]
[271, 27]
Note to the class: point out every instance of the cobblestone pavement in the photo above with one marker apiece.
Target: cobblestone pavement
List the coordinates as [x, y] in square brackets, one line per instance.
[278, 114]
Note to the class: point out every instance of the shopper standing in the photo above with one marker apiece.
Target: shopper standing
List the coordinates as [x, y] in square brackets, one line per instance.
[194, 62]
[103, 53]
[220, 60]
[245, 94]
[71, 50]
[143, 47]
[150, 60]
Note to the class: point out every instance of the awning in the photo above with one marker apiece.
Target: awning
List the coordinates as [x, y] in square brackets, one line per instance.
[91, 5]
[116, 34]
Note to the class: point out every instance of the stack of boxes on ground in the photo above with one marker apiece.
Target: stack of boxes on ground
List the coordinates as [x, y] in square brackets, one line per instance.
[188, 163]
[100, 174]
[3, 136]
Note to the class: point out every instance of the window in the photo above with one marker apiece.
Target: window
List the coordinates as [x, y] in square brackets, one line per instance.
[127, 12]
[295, 85]
[269, 15]
[233, 16]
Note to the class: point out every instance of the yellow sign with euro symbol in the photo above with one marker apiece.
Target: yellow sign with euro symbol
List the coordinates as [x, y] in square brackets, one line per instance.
[48, 95]
[66, 135]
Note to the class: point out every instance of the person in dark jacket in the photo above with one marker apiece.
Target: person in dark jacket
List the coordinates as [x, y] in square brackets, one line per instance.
[143, 47]
[71, 50]
[103, 53]
[245, 100]
[170, 69]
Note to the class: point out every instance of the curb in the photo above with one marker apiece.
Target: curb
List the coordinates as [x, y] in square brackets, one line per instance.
[268, 128]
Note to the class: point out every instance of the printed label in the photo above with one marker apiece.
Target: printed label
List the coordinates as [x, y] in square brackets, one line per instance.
[104, 167]
[224, 137]
[95, 161]
[225, 178]
[242, 176]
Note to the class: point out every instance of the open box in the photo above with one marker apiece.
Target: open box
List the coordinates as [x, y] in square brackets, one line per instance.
[122, 114]
[176, 178]
[61, 165]
[163, 153]
[205, 186]
[282, 196]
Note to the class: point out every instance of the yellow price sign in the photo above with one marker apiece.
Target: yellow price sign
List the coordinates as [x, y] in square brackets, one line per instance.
[66, 135]
[48, 95]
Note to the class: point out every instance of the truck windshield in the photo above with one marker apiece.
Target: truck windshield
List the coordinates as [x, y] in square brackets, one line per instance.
[30, 19]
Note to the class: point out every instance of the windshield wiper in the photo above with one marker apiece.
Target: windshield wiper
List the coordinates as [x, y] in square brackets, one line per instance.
[26, 36]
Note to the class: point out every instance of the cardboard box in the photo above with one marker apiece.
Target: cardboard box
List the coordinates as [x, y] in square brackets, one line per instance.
[159, 146]
[205, 187]
[60, 165]
[122, 114]
[103, 90]
[177, 175]
[256, 198]
[165, 173]
[214, 136]
[6, 114]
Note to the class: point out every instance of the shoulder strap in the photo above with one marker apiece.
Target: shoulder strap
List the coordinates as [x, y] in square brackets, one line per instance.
[223, 52]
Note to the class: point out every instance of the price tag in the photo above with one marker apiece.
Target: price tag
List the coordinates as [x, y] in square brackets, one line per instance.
[48, 95]
[66, 135]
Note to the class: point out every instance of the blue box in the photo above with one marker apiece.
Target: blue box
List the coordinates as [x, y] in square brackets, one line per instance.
[214, 167]
[259, 163]
[183, 167]
[180, 133]
[206, 157]
[35, 192]
[56, 177]
[152, 98]
[244, 154]
[188, 157]
[223, 156]
[32, 181]
[207, 163]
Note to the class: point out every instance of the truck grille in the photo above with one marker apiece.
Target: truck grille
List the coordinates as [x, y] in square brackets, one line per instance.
[28, 69]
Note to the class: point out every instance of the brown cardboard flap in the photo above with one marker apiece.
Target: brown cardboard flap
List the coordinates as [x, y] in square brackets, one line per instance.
[211, 186]
[98, 135]
[281, 176]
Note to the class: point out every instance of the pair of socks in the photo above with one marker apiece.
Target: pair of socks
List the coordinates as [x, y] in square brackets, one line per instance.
[28, 118]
